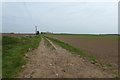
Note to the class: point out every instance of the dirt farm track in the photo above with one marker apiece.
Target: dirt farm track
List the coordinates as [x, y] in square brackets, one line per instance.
[59, 63]
[104, 48]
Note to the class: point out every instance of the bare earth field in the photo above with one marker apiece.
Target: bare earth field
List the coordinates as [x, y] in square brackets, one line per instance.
[104, 48]
[16, 35]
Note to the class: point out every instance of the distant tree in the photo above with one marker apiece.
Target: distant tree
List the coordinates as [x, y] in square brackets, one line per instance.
[42, 32]
[12, 33]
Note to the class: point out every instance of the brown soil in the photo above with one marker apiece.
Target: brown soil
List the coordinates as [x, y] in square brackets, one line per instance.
[105, 50]
[45, 62]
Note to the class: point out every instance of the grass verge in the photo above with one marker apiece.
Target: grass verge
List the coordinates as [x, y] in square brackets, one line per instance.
[47, 43]
[0, 56]
[13, 51]
[73, 50]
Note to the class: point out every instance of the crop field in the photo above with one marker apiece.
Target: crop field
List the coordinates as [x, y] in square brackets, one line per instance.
[103, 47]
[16, 35]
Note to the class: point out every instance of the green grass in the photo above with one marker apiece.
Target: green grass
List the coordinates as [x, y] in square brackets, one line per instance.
[13, 50]
[47, 43]
[0, 56]
[73, 50]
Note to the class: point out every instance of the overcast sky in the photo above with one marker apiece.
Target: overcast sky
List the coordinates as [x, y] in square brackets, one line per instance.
[67, 17]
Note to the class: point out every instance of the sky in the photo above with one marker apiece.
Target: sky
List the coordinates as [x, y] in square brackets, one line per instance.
[60, 17]
[60, 0]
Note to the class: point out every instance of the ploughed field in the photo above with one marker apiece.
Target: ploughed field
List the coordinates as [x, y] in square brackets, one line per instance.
[16, 34]
[103, 47]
